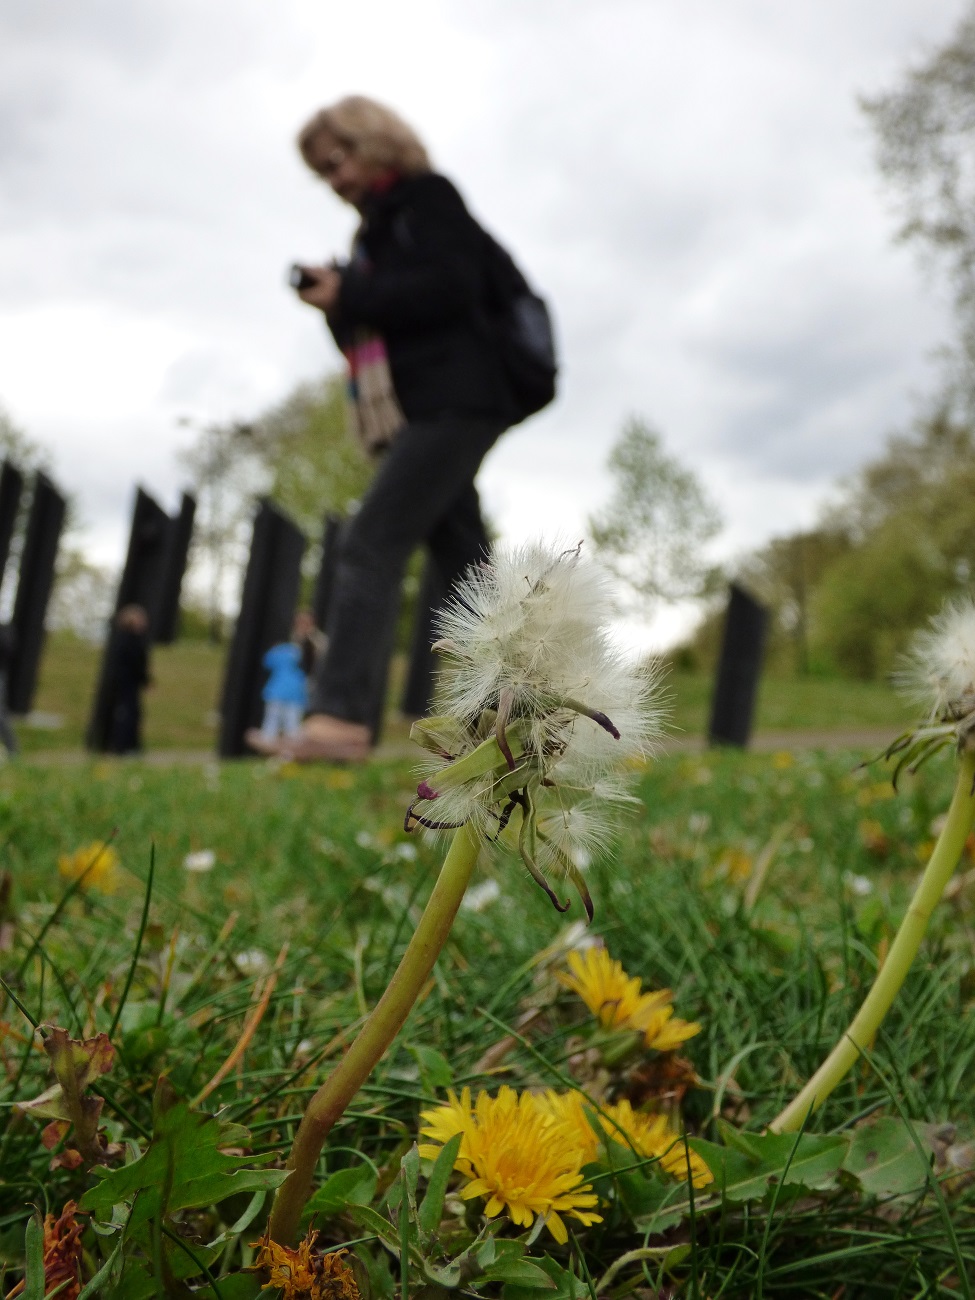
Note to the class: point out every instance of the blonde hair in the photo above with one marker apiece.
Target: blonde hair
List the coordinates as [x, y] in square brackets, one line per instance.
[371, 130]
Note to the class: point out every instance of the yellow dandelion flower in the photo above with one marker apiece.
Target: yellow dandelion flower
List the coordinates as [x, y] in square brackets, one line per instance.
[567, 1110]
[664, 1031]
[445, 1122]
[648, 1135]
[610, 994]
[735, 864]
[618, 1002]
[516, 1157]
[96, 865]
[651, 1136]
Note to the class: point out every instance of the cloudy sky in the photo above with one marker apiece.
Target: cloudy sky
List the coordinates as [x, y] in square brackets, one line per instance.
[691, 184]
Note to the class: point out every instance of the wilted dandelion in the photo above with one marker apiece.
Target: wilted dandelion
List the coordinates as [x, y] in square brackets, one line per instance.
[618, 1002]
[96, 866]
[537, 712]
[516, 1156]
[301, 1274]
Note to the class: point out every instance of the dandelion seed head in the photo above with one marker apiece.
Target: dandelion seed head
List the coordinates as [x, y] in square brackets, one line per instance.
[940, 668]
[530, 621]
[539, 717]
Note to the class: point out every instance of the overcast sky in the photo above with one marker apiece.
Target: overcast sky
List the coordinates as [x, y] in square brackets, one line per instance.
[691, 185]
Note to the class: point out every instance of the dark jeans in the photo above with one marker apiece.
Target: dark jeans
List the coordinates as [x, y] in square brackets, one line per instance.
[7, 736]
[126, 730]
[423, 492]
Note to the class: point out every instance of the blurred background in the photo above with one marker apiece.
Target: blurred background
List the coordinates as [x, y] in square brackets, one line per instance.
[751, 221]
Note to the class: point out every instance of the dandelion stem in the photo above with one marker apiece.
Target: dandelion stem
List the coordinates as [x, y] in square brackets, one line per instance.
[862, 1030]
[378, 1032]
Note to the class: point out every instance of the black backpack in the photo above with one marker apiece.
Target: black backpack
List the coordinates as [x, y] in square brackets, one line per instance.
[522, 327]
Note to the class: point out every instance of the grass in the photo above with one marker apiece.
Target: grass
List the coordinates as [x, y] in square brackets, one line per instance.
[317, 859]
[797, 704]
[180, 709]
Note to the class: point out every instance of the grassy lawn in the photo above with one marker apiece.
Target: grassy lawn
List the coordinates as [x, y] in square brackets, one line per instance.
[763, 890]
[180, 708]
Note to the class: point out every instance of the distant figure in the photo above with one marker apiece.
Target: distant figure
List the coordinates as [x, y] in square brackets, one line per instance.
[128, 672]
[286, 693]
[429, 397]
[310, 639]
[8, 642]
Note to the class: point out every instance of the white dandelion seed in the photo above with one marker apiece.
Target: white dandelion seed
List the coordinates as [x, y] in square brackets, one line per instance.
[537, 712]
[940, 668]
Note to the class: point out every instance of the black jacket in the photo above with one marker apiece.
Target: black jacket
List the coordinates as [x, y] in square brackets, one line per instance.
[419, 282]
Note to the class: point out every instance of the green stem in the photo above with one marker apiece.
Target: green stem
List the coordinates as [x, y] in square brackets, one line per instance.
[375, 1036]
[903, 950]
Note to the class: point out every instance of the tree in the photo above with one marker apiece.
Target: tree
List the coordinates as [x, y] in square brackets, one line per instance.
[313, 463]
[900, 539]
[298, 453]
[784, 574]
[83, 596]
[227, 475]
[21, 450]
[653, 532]
[910, 525]
[926, 149]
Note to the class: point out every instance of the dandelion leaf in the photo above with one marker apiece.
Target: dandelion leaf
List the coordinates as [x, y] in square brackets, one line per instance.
[186, 1166]
[76, 1063]
[344, 1188]
[370, 1221]
[431, 1207]
[745, 1172]
[653, 1203]
[510, 1266]
[560, 1283]
[436, 1074]
[884, 1157]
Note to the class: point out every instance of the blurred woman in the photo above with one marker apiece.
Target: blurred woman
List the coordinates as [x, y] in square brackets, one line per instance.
[427, 395]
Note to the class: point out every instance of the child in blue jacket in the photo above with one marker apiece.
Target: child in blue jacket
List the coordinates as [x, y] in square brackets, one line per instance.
[286, 693]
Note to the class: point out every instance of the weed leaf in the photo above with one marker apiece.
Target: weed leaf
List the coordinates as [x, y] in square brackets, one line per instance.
[807, 1160]
[185, 1166]
[884, 1158]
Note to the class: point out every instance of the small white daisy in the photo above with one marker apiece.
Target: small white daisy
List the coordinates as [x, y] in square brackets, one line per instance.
[201, 860]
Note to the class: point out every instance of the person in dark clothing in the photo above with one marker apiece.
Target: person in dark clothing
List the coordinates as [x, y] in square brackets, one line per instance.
[310, 639]
[129, 675]
[427, 392]
[8, 643]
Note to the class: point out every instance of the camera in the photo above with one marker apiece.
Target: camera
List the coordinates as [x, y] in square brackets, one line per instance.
[299, 278]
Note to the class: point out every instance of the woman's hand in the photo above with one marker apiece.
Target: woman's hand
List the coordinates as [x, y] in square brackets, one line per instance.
[324, 293]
